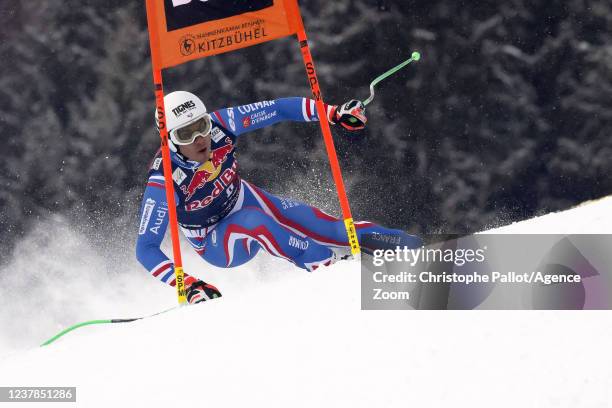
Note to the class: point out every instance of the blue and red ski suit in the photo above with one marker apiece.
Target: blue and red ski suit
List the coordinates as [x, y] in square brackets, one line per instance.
[228, 220]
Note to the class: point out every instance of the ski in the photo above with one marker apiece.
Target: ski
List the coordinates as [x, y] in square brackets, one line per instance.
[101, 321]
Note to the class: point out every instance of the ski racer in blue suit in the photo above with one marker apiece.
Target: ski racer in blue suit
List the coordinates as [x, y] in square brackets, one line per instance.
[228, 220]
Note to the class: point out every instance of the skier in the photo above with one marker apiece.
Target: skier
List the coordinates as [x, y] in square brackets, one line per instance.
[227, 219]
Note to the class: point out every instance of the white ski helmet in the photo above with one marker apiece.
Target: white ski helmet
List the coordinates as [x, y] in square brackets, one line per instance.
[182, 108]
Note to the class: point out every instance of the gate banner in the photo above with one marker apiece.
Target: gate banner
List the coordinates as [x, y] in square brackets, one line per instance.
[193, 29]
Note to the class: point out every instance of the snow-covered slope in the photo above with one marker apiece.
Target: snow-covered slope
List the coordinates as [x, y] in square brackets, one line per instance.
[592, 217]
[301, 340]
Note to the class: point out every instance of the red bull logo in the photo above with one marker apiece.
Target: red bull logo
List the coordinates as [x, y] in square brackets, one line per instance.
[209, 170]
[228, 176]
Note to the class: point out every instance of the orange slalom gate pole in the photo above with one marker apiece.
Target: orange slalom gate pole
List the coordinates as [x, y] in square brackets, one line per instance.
[163, 133]
[327, 137]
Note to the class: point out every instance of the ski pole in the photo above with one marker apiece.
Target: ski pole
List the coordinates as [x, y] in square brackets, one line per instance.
[415, 57]
[104, 321]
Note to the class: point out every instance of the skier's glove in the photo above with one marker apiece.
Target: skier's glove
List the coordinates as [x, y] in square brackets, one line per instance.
[200, 291]
[350, 115]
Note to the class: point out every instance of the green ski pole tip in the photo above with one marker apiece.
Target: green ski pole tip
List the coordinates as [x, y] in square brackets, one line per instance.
[416, 56]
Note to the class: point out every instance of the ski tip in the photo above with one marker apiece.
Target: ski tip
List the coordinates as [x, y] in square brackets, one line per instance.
[416, 56]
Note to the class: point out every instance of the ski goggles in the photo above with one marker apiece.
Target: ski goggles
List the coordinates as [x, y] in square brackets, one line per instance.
[188, 133]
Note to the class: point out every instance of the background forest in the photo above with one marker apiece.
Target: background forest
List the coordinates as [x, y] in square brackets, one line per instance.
[507, 115]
